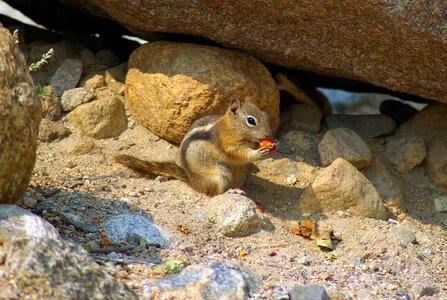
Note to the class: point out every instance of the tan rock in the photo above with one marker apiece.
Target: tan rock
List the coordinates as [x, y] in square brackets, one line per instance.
[50, 131]
[170, 85]
[100, 119]
[85, 145]
[430, 124]
[116, 73]
[385, 183]
[344, 143]
[436, 161]
[342, 187]
[94, 81]
[20, 115]
[51, 108]
[236, 215]
[405, 153]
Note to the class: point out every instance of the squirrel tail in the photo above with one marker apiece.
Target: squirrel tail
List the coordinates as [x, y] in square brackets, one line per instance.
[165, 168]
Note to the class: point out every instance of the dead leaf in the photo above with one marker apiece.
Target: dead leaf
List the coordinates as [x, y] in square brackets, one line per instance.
[331, 255]
[182, 228]
[169, 266]
[243, 253]
[324, 239]
[306, 228]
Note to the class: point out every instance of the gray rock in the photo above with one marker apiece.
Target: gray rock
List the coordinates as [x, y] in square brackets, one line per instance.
[100, 119]
[397, 110]
[302, 117]
[342, 187]
[51, 108]
[424, 290]
[29, 201]
[89, 58]
[405, 153]
[67, 75]
[131, 227]
[236, 215]
[308, 292]
[78, 222]
[386, 184]
[402, 235]
[50, 131]
[72, 98]
[344, 143]
[20, 115]
[367, 126]
[107, 57]
[220, 280]
[40, 264]
[117, 73]
[440, 204]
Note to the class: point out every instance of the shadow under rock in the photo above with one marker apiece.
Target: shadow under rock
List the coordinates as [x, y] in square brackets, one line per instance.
[276, 199]
[60, 204]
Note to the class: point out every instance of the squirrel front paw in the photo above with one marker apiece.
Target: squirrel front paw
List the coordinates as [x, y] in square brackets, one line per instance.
[264, 151]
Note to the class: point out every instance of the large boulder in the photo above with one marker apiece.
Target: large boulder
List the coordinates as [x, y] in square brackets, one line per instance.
[20, 115]
[170, 85]
[36, 263]
[400, 45]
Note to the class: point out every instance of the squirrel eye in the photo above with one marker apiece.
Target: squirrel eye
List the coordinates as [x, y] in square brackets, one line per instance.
[251, 121]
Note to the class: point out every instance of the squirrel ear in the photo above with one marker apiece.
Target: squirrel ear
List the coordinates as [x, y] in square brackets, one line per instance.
[234, 106]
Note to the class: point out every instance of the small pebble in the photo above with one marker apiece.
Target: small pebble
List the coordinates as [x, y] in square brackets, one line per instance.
[359, 260]
[392, 221]
[161, 178]
[402, 293]
[427, 251]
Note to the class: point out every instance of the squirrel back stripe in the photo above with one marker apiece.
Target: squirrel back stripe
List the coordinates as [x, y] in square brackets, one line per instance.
[196, 135]
[165, 168]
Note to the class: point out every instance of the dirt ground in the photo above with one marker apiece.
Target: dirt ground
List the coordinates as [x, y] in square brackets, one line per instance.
[369, 263]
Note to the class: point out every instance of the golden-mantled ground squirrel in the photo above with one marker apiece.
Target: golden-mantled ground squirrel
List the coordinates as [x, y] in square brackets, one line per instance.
[215, 151]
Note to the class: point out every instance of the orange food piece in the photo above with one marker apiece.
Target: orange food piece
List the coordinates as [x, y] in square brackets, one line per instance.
[260, 208]
[105, 243]
[269, 144]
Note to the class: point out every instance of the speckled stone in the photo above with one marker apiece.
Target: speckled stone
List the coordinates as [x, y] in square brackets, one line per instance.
[41, 265]
[20, 115]
[220, 280]
[130, 227]
[323, 38]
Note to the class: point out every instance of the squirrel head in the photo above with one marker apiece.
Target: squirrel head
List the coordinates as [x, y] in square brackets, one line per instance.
[250, 122]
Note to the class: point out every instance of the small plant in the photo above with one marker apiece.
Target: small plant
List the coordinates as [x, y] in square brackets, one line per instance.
[35, 65]
[43, 91]
[43, 61]
[15, 36]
